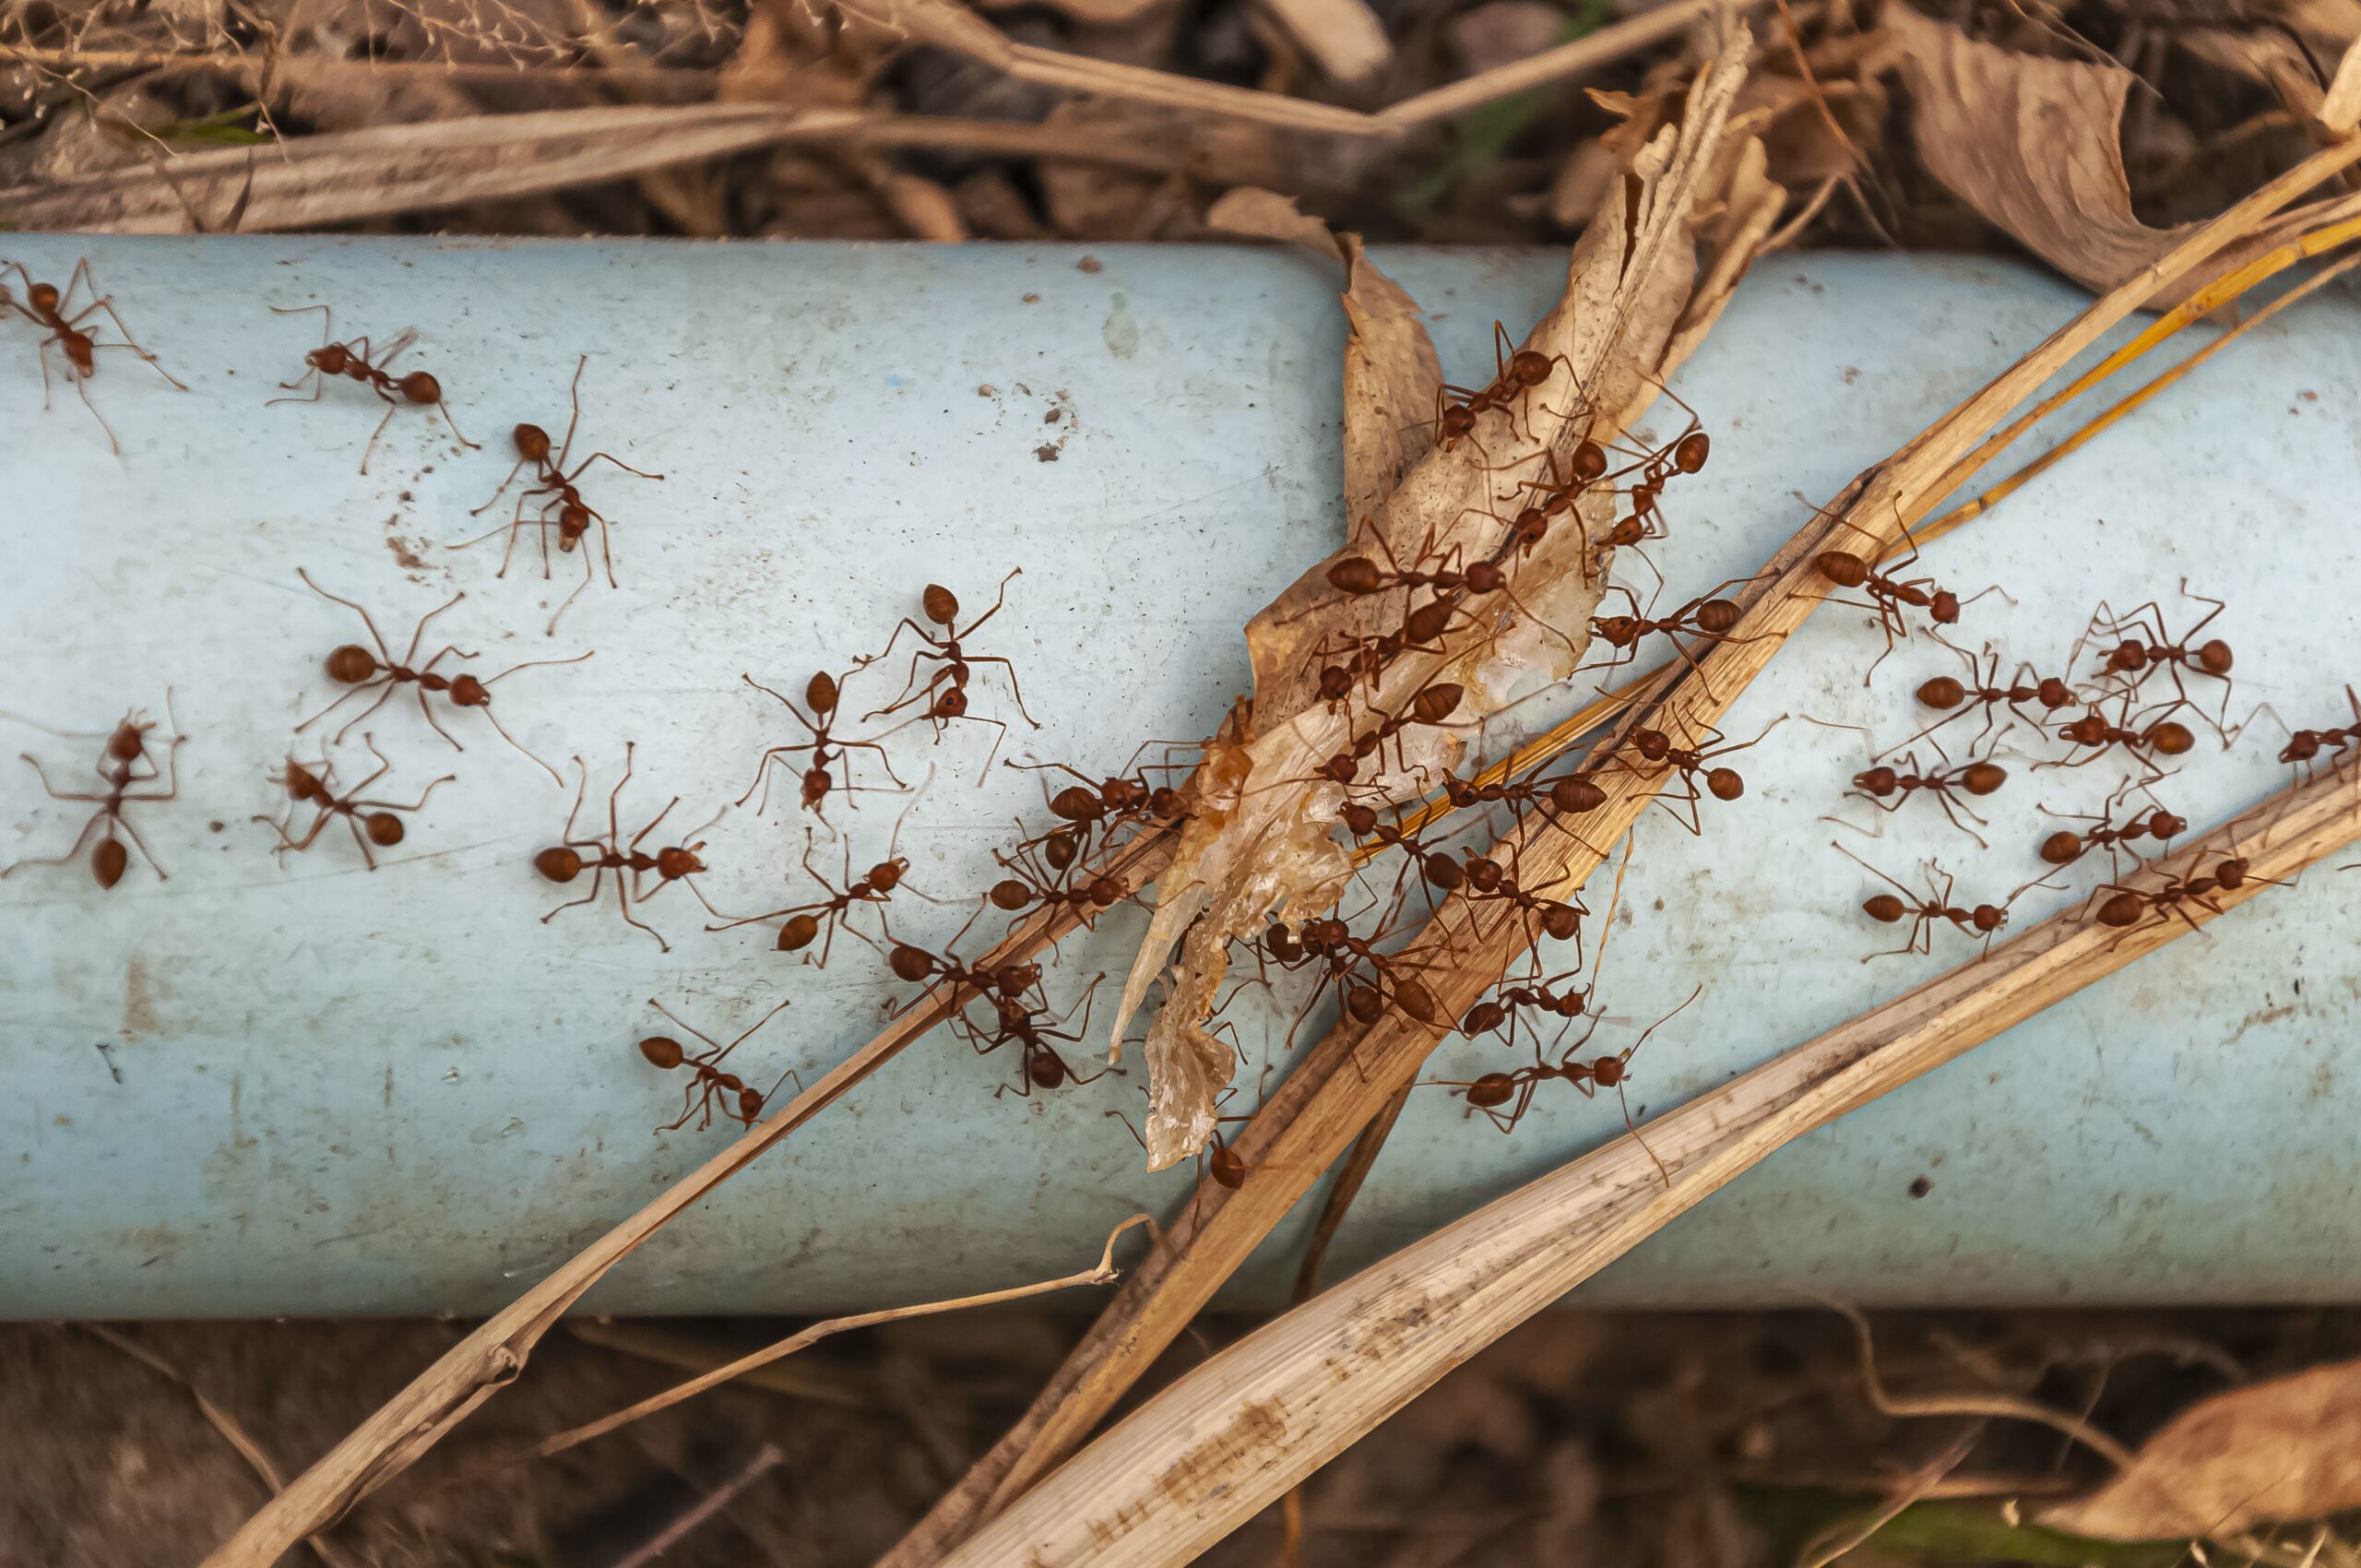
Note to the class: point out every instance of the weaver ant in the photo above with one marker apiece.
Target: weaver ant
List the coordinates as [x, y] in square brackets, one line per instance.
[2065, 847]
[2303, 746]
[2128, 907]
[1889, 594]
[1518, 372]
[118, 768]
[574, 514]
[354, 666]
[1886, 788]
[2142, 647]
[801, 923]
[1485, 879]
[822, 693]
[354, 360]
[563, 862]
[1708, 618]
[1106, 804]
[946, 690]
[1433, 705]
[1039, 1066]
[1051, 887]
[1558, 494]
[919, 967]
[372, 822]
[1984, 920]
[1504, 1006]
[2167, 737]
[1983, 690]
[45, 306]
[705, 1076]
[1331, 943]
[1489, 1091]
[1654, 748]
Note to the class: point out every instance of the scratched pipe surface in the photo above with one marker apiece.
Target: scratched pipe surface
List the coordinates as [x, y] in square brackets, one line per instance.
[309, 1089]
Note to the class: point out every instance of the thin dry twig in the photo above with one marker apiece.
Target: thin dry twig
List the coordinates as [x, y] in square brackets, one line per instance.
[1236, 1432]
[768, 1458]
[1607, 45]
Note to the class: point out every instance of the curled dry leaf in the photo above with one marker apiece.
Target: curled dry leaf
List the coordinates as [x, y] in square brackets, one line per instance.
[1631, 278]
[2287, 1449]
[2032, 145]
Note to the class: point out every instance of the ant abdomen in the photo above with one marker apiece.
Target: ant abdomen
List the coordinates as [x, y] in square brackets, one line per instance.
[419, 386]
[109, 861]
[351, 664]
[558, 865]
[662, 1052]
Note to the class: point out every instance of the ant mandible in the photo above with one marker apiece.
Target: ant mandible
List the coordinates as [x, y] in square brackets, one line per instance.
[354, 666]
[573, 516]
[354, 360]
[706, 1077]
[372, 822]
[119, 769]
[45, 306]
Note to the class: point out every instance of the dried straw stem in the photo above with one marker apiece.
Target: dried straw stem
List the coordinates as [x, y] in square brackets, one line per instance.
[1345, 1080]
[1234, 1433]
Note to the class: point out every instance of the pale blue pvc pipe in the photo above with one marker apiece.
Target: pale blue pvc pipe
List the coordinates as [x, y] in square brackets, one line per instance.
[397, 1093]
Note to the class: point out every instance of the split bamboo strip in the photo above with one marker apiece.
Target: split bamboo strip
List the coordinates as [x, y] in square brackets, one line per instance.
[1345, 1080]
[1235, 1433]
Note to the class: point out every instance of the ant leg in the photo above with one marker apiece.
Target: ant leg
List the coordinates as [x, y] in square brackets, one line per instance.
[70, 855]
[493, 720]
[287, 845]
[442, 407]
[82, 389]
[568, 603]
[372, 446]
[606, 554]
[598, 879]
[610, 457]
[428, 709]
[651, 826]
[622, 899]
[107, 305]
[54, 791]
[385, 685]
[382, 651]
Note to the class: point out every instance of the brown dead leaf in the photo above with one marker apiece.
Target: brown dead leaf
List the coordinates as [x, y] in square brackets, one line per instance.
[2341, 108]
[2287, 1449]
[1629, 279]
[2032, 144]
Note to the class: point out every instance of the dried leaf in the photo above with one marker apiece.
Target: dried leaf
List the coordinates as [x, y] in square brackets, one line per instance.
[2032, 145]
[2342, 107]
[1273, 856]
[2287, 1449]
[1342, 37]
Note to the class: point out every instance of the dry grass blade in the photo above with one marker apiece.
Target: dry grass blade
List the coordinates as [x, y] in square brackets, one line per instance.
[1235, 1433]
[493, 1354]
[1100, 1273]
[1346, 1078]
[1607, 44]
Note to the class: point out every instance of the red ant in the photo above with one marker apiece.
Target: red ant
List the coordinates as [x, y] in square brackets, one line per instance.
[919, 967]
[822, 693]
[1983, 690]
[352, 360]
[1887, 594]
[372, 822]
[1331, 943]
[1519, 372]
[2165, 738]
[1434, 705]
[2142, 647]
[1708, 618]
[119, 769]
[1505, 1006]
[1485, 879]
[1106, 804]
[563, 862]
[2063, 847]
[1558, 494]
[2303, 746]
[1040, 1066]
[1654, 748]
[574, 514]
[354, 666]
[1886, 788]
[43, 305]
[801, 924]
[946, 690]
[1984, 920]
[1054, 886]
[2128, 907]
[705, 1075]
[1489, 1091]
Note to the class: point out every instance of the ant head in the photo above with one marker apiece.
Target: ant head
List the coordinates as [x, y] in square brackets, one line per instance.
[2054, 692]
[42, 297]
[1982, 777]
[1609, 1070]
[2122, 909]
[1491, 1090]
[941, 604]
[1015, 978]
[820, 694]
[385, 829]
[532, 442]
[1326, 933]
[1010, 894]
[1335, 683]
[910, 964]
[1576, 795]
[1884, 907]
[1943, 691]
[1105, 892]
[2171, 738]
[329, 359]
[351, 664]
[816, 785]
[1436, 703]
[1654, 745]
[301, 783]
[1620, 631]
[886, 875]
[1486, 873]
[798, 932]
[558, 865]
[128, 741]
[1340, 768]
[1486, 577]
[1562, 922]
[951, 703]
[109, 861]
[662, 1050]
[573, 522]
[2303, 747]
[2087, 731]
[1725, 783]
[468, 692]
[1944, 607]
[1844, 570]
[676, 862]
[2214, 656]
[1531, 525]
[1879, 781]
[1075, 803]
[1589, 461]
[1690, 453]
[420, 388]
[1458, 420]
[2164, 825]
[1355, 574]
[1166, 801]
[2062, 849]
[2231, 874]
[749, 1105]
[1987, 919]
